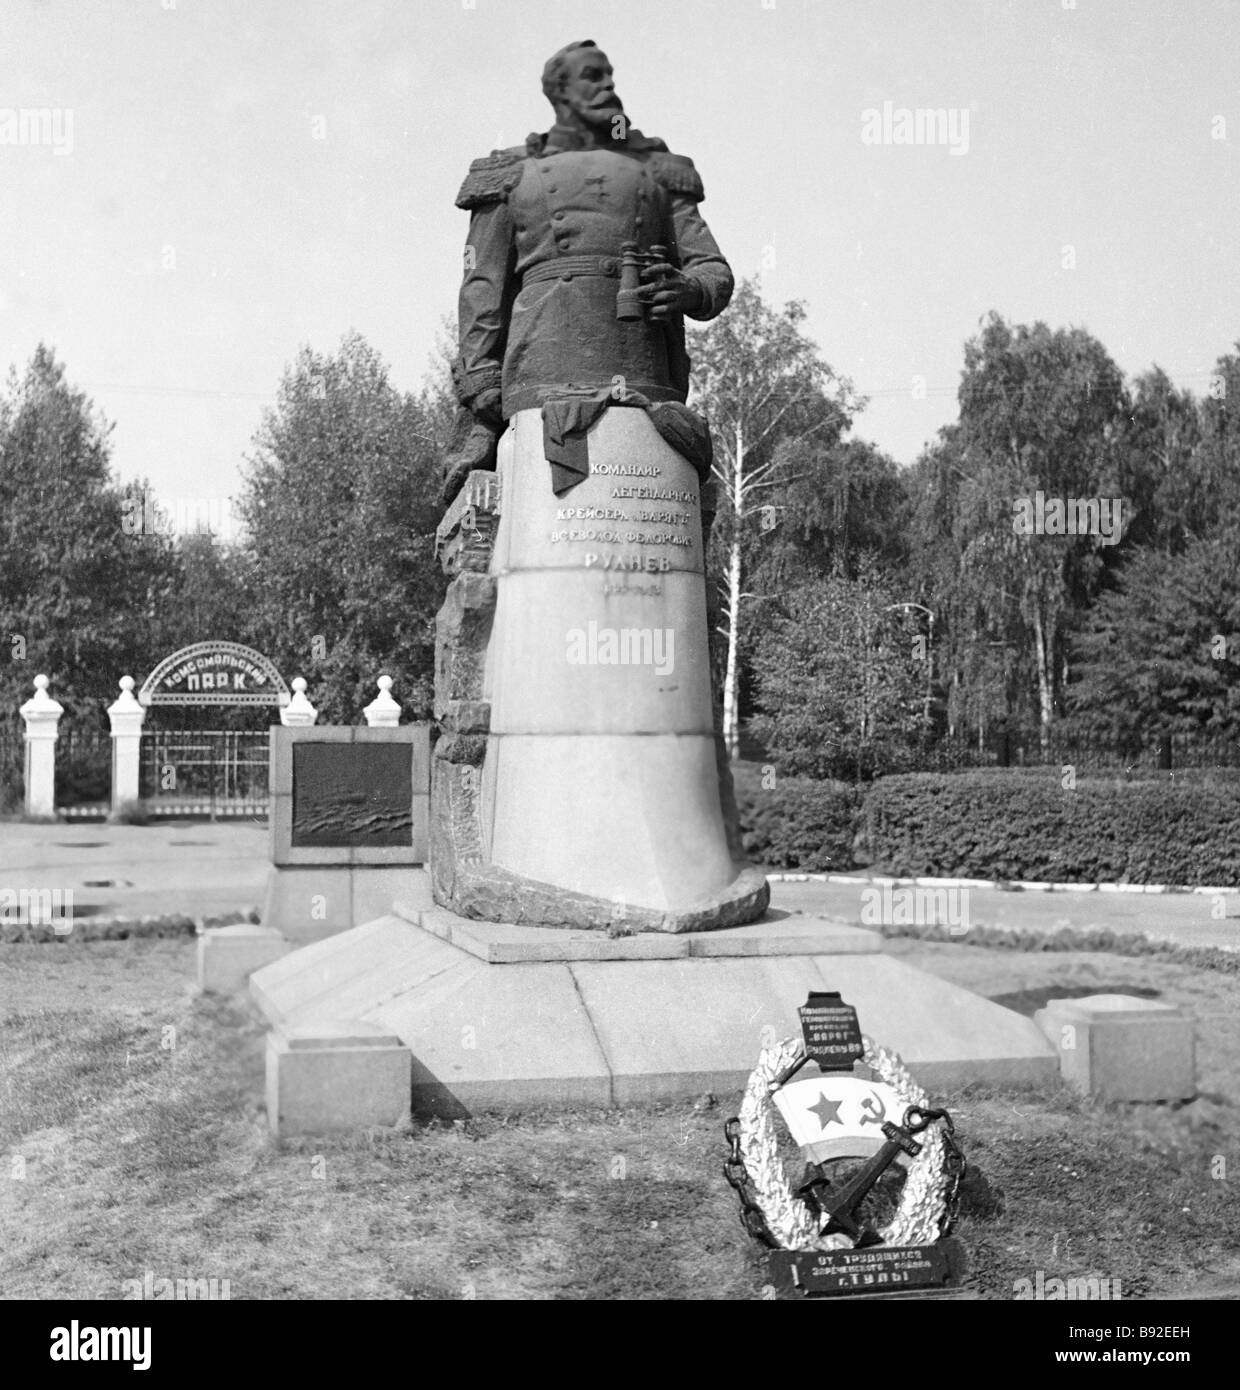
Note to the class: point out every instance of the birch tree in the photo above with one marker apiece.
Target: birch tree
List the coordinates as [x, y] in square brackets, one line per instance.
[840, 691]
[1041, 411]
[761, 383]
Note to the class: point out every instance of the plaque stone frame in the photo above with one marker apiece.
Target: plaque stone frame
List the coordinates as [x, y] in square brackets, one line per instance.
[284, 853]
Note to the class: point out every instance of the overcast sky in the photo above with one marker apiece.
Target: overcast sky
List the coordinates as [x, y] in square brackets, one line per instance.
[241, 177]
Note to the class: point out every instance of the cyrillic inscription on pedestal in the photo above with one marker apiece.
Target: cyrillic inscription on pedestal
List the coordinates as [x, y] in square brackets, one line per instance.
[626, 518]
[599, 677]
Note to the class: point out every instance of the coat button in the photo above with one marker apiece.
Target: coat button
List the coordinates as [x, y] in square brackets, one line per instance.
[557, 217]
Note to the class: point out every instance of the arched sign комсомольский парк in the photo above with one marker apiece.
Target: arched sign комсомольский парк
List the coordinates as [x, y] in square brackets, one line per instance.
[215, 673]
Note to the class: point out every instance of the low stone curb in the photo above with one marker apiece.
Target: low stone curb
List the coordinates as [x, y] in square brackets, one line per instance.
[1102, 939]
[1003, 885]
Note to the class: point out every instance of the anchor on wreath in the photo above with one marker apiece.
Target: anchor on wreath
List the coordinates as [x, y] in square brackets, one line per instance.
[821, 1237]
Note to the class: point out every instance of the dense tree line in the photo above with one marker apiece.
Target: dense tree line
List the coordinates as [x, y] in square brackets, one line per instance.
[1065, 549]
[864, 612]
[333, 574]
[80, 595]
[340, 507]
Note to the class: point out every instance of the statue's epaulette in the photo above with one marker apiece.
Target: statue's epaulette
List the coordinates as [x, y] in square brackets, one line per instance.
[490, 180]
[648, 143]
[677, 174]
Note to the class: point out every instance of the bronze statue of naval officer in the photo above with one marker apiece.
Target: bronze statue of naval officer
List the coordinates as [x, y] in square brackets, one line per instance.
[585, 251]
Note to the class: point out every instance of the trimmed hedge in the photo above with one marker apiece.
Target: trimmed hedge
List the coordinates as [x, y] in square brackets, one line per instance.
[1007, 824]
[1106, 830]
[799, 823]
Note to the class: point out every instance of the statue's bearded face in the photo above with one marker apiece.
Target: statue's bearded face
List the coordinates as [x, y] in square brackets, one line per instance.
[586, 88]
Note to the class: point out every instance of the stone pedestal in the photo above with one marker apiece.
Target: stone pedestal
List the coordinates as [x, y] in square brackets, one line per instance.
[595, 797]
[348, 816]
[599, 676]
[501, 1018]
[126, 717]
[1121, 1047]
[306, 902]
[42, 716]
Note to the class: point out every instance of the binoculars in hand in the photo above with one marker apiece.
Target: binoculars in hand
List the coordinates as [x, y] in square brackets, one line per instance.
[629, 302]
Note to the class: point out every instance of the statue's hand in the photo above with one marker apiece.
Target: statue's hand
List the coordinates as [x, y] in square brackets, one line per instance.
[668, 292]
[487, 406]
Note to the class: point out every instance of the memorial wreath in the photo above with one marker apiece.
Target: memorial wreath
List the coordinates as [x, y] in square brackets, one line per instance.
[775, 1214]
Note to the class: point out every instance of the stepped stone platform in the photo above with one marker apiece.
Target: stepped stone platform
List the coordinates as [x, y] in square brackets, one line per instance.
[425, 1009]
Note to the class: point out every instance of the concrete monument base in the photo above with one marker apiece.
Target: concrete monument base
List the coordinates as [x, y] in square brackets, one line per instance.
[308, 902]
[303, 904]
[503, 1018]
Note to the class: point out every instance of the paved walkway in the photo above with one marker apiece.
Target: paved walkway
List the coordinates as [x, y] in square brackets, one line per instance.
[204, 869]
[129, 870]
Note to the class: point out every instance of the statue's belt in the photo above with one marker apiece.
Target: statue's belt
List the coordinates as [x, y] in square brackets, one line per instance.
[565, 267]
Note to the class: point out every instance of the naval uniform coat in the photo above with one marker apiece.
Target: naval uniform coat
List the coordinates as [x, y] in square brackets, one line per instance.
[542, 262]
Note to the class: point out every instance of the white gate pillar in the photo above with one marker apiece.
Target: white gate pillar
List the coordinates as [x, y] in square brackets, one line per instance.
[299, 712]
[383, 712]
[42, 716]
[126, 716]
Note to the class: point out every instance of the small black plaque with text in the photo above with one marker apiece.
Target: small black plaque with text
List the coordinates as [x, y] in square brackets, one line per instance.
[832, 1032]
[876, 1269]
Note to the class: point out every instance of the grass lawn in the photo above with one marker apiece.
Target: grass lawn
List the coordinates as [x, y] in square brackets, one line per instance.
[133, 1140]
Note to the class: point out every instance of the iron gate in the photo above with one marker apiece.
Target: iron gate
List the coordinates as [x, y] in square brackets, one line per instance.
[204, 772]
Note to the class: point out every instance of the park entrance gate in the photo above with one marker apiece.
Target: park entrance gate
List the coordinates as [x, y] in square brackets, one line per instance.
[213, 760]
